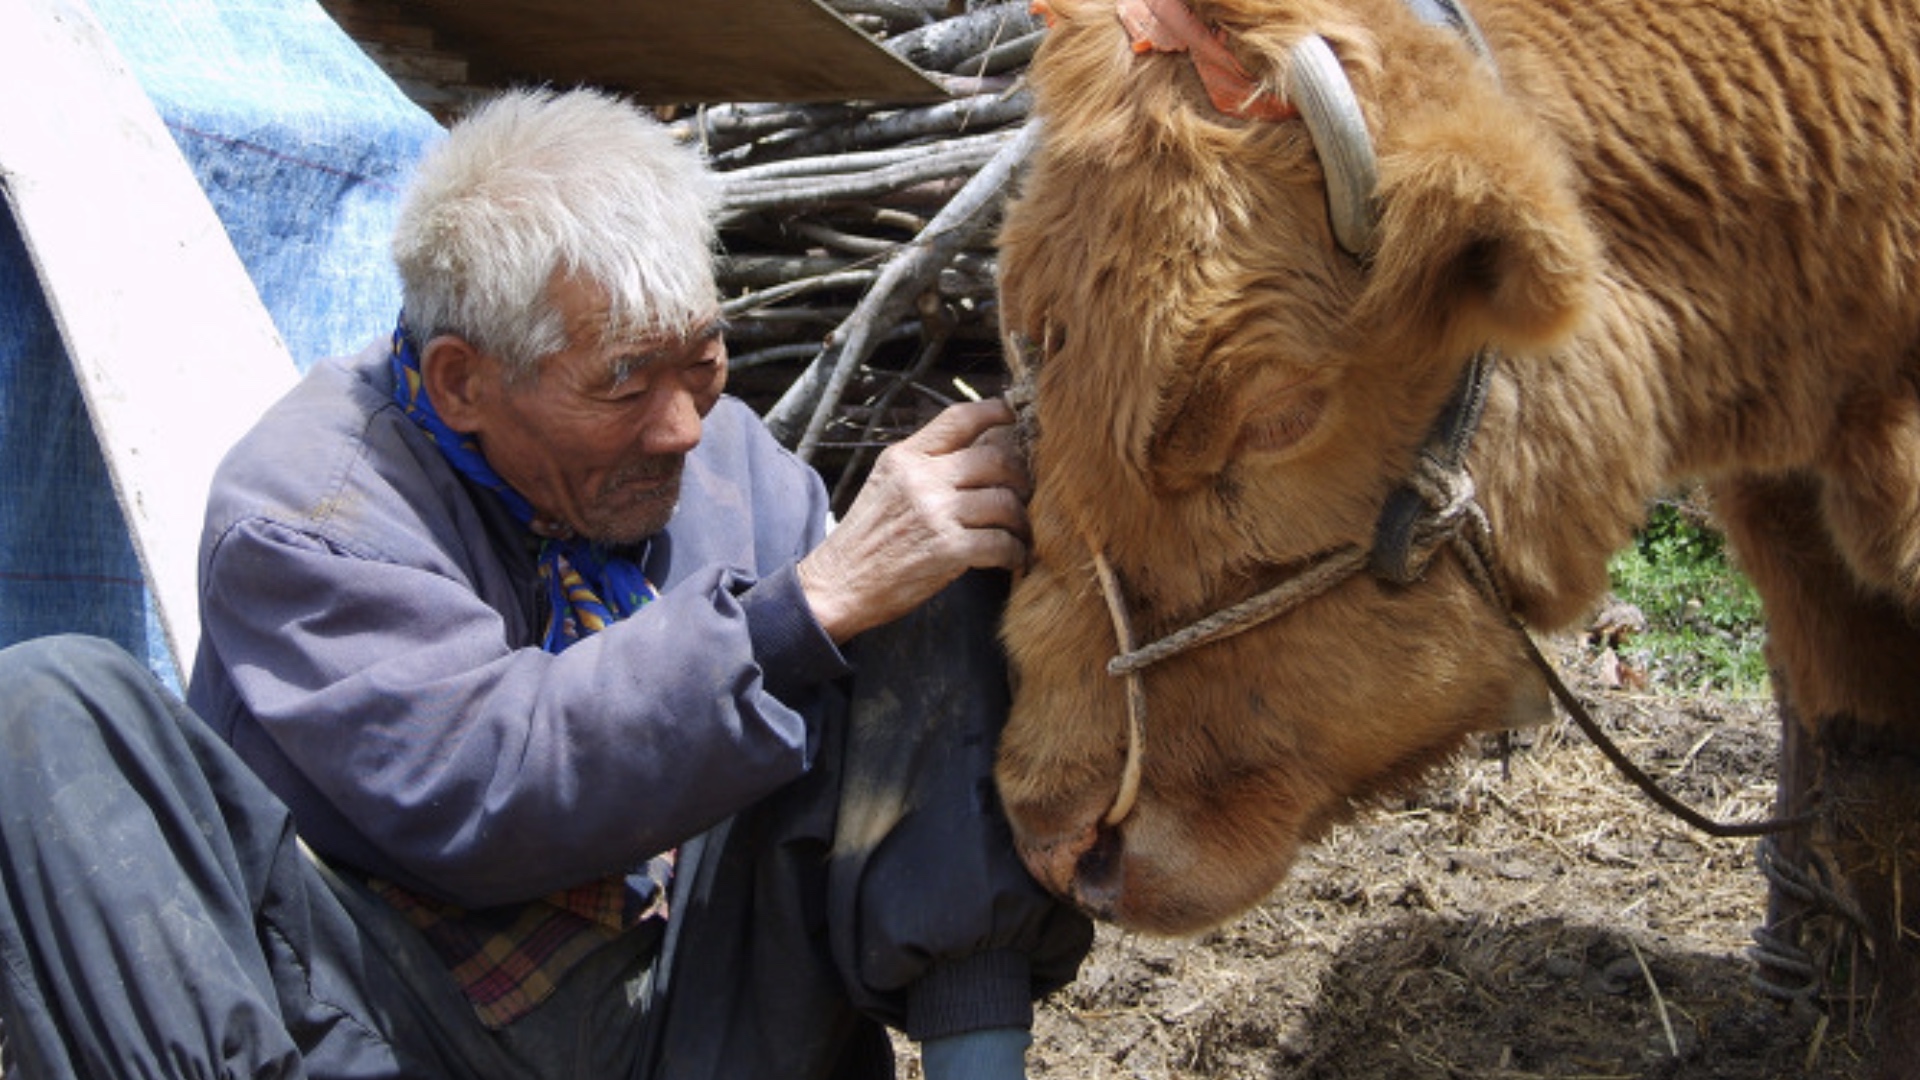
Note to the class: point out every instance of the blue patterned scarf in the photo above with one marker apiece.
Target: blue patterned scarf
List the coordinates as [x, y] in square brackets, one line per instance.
[588, 590]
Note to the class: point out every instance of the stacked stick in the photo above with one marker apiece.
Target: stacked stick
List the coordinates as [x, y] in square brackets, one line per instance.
[858, 272]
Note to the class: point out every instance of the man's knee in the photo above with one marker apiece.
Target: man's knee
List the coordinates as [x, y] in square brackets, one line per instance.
[61, 682]
[62, 660]
[61, 666]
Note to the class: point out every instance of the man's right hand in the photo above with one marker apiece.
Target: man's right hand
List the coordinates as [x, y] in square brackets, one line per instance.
[947, 499]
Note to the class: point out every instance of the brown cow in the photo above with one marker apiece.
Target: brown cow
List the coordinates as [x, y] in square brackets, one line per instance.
[1687, 230]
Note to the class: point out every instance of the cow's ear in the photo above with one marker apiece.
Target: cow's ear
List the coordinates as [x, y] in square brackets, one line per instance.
[1482, 237]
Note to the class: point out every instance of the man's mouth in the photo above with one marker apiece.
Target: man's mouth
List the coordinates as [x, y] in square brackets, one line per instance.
[648, 482]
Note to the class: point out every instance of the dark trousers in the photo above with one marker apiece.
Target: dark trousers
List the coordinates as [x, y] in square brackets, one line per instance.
[160, 917]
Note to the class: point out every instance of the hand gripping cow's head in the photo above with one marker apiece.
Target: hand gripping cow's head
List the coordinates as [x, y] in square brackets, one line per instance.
[1222, 394]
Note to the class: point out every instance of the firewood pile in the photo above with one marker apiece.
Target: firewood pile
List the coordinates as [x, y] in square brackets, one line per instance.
[858, 265]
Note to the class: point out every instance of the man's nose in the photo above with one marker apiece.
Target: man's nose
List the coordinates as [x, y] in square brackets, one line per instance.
[673, 427]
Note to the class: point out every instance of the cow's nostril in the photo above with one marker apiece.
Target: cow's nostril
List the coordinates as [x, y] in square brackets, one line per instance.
[1098, 876]
[1053, 861]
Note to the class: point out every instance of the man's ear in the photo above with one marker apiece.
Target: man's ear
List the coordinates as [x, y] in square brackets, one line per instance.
[457, 380]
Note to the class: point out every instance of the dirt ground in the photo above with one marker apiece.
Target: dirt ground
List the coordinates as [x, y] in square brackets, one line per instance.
[1533, 917]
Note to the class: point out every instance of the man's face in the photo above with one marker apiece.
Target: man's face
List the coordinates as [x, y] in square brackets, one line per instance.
[597, 440]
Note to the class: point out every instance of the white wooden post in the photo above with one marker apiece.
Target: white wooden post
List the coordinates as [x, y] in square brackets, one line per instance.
[173, 351]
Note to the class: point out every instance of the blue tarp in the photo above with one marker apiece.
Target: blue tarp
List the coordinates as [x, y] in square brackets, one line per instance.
[302, 145]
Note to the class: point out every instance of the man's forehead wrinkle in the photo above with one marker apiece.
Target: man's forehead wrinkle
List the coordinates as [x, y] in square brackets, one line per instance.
[654, 340]
[635, 348]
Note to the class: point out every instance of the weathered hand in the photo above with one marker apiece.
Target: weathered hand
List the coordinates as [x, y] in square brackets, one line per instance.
[949, 498]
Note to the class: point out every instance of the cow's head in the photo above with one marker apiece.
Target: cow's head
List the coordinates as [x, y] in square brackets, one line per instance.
[1221, 394]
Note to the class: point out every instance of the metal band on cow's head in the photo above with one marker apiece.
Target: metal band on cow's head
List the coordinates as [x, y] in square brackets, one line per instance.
[1318, 92]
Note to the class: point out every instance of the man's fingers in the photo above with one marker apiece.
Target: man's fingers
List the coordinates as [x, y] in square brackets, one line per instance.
[991, 508]
[985, 465]
[952, 496]
[1003, 436]
[957, 426]
[1005, 553]
[995, 549]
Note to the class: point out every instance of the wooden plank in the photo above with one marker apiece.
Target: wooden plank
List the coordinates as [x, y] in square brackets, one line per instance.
[672, 52]
[375, 20]
[172, 349]
[423, 65]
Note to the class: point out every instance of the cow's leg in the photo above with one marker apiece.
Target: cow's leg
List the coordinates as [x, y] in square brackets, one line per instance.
[1806, 926]
[1870, 822]
[1848, 663]
[1846, 649]
[1871, 494]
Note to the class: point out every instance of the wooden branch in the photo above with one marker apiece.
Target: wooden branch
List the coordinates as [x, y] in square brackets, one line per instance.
[762, 271]
[773, 354]
[837, 164]
[943, 45]
[817, 392]
[899, 15]
[939, 329]
[753, 302]
[804, 190]
[844, 222]
[721, 127]
[1003, 57]
[841, 240]
[969, 85]
[979, 112]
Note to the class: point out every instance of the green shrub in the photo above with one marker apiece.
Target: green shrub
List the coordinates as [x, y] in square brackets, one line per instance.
[1704, 631]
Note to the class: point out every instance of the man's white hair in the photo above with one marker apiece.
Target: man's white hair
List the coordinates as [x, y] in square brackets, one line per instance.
[536, 182]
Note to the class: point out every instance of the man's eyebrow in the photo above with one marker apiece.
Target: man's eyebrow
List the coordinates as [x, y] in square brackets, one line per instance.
[654, 348]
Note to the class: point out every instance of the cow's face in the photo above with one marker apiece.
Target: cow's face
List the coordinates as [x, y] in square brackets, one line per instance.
[1223, 394]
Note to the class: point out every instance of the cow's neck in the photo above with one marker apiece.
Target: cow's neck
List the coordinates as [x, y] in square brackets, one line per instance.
[1711, 242]
[1573, 446]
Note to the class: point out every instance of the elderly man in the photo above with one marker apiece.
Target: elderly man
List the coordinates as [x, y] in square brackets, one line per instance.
[553, 733]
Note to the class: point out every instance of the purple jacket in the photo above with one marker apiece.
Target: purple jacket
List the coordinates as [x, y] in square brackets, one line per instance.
[369, 644]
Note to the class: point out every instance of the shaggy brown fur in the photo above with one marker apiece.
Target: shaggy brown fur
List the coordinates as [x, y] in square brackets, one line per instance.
[1691, 229]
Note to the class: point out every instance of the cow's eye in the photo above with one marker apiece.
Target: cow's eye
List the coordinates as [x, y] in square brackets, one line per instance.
[1283, 421]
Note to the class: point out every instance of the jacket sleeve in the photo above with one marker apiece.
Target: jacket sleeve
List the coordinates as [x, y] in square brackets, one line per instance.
[414, 740]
